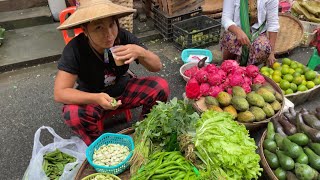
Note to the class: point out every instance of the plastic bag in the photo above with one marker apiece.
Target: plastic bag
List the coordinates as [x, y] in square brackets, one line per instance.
[74, 147]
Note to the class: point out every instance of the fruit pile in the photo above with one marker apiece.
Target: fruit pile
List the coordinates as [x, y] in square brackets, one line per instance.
[261, 103]
[292, 76]
[210, 80]
[292, 145]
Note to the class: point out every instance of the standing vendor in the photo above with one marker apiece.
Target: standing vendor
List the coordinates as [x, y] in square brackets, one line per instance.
[251, 28]
[100, 73]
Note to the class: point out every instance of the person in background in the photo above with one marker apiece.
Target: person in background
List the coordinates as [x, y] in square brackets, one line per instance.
[96, 63]
[251, 28]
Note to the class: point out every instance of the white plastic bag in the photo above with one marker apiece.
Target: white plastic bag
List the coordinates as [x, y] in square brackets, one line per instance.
[74, 147]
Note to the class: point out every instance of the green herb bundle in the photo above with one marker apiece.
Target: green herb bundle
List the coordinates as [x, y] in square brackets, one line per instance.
[225, 147]
[162, 126]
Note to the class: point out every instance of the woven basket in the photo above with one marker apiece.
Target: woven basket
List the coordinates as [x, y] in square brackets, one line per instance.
[86, 169]
[127, 21]
[200, 107]
[212, 7]
[264, 163]
[92, 176]
[290, 34]
[301, 97]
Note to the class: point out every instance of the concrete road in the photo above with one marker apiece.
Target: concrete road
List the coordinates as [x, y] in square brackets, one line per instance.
[26, 100]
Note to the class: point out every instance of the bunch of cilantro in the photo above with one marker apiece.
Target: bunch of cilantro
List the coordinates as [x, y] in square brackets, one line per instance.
[225, 147]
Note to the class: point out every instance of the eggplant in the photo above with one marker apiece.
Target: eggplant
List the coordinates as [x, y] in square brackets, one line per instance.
[292, 111]
[303, 111]
[311, 120]
[291, 118]
[288, 128]
[312, 133]
[278, 127]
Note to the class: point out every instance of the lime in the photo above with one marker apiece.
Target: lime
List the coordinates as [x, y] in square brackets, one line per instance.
[299, 70]
[303, 77]
[296, 74]
[284, 84]
[285, 66]
[302, 87]
[310, 75]
[264, 68]
[305, 69]
[291, 71]
[297, 80]
[271, 71]
[293, 65]
[266, 73]
[310, 84]
[286, 61]
[277, 72]
[316, 81]
[276, 65]
[300, 65]
[304, 82]
[284, 70]
[288, 77]
[276, 78]
[288, 91]
[294, 87]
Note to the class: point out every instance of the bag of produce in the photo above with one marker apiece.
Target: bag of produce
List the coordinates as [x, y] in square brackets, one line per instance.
[60, 159]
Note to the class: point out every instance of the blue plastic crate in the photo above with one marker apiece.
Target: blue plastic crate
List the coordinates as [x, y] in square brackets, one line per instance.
[204, 52]
[110, 138]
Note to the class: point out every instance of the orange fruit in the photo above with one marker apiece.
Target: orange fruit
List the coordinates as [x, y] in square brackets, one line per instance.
[276, 65]
[284, 70]
[293, 65]
[286, 61]
[316, 81]
[294, 87]
[297, 80]
[276, 78]
[288, 91]
[302, 87]
[299, 70]
[291, 71]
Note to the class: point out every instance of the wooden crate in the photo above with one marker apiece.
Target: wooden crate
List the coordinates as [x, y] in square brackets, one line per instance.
[172, 7]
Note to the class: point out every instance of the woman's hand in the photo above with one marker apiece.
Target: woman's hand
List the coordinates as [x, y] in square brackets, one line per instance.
[271, 60]
[105, 101]
[128, 53]
[242, 37]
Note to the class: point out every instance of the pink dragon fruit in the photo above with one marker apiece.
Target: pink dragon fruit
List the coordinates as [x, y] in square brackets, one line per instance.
[246, 87]
[193, 89]
[211, 68]
[247, 80]
[225, 85]
[235, 79]
[222, 74]
[201, 76]
[229, 65]
[240, 70]
[214, 79]
[259, 79]
[204, 89]
[191, 71]
[229, 90]
[252, 71]
[214, 91]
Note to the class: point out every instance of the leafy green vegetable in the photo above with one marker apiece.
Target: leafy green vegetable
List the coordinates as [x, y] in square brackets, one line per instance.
[225, 147]
[54, 162]
[160, 126]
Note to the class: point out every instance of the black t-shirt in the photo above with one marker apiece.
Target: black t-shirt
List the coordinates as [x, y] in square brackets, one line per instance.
[94, 75]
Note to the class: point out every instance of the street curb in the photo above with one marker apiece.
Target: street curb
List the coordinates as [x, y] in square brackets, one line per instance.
[143, 37]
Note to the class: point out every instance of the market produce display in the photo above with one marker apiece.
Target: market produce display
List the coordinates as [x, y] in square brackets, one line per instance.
[174, 142]
[110, 155]
[292, 76]
[101, 176]
[292, 145]
[54, 163]
[198, 39]
[210, 80]
[307, 10]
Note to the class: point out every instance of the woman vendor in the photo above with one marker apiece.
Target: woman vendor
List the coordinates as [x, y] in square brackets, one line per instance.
[92, 71]
[251, 28]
